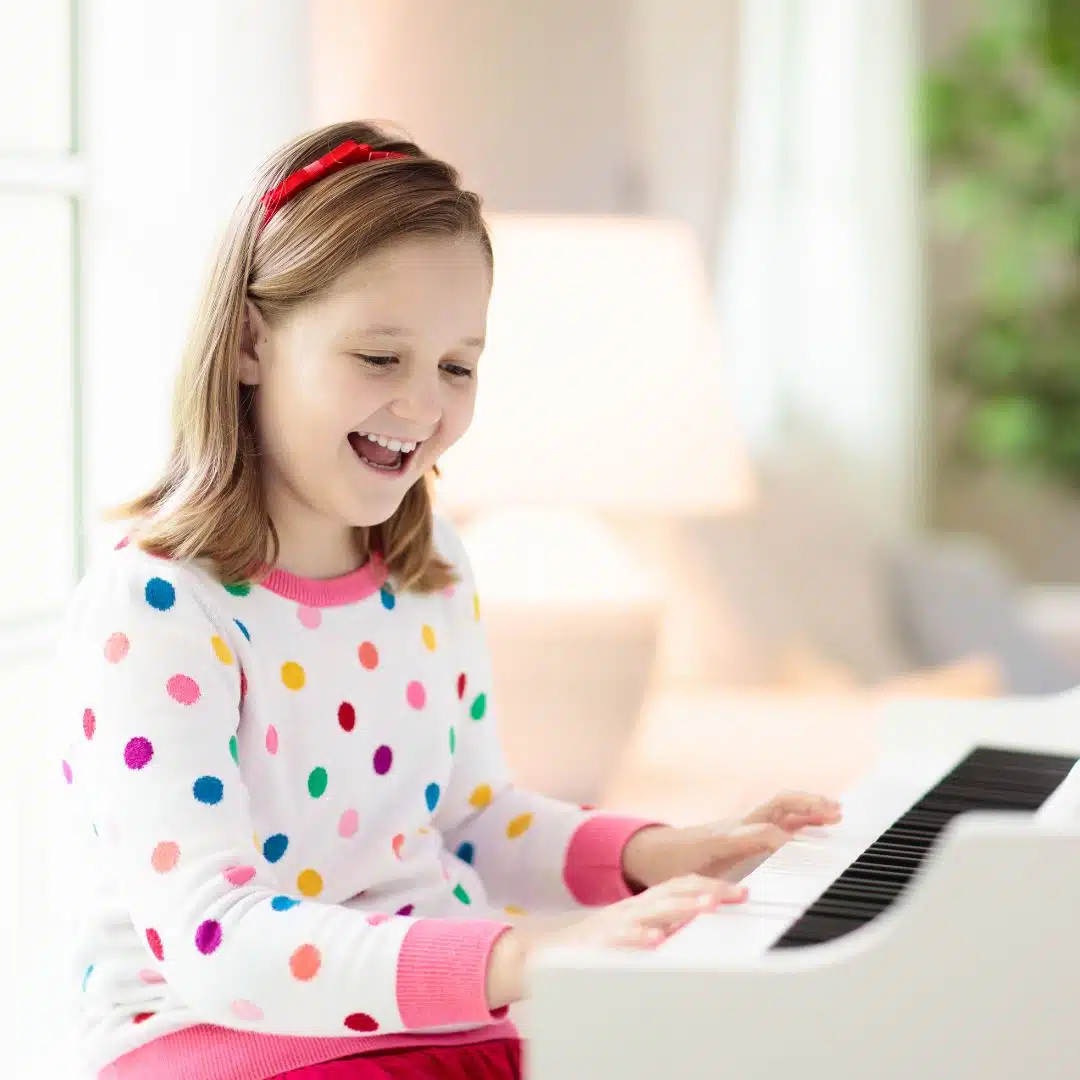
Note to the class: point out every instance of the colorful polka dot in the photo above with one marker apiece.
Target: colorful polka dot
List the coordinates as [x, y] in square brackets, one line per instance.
[311, 617]
[465, 852]
[316, 782]
[243, 685]
[122, 543]
[208, 790]
[151, 978]
[348, 823]
[416, 695]
[271, 740]
[377, 918]
[427, 635]
[476, 606]
[116, 648]
[293, 675]
[86, 977]
[431, 796]
[397, 843]
[242, 628]
[384, 758]
[361, 1022]
[138, 753]
[89, 723]
[346, 716]
[239, 875]
[153, 939]
[305, 963]
[462, 895]
[453, 740]
[481, 796]
[221, 650]
[208, 937]
[274, 847]
[519, 825]
[234, 749]
[406, 910]
[462, 682]
[160, 594]
[246, 1010]
[165, 856]
[183, 689]
[238, 588]
[513, 909]
[369, 656]
[309, 883]
[141, 1017]
[388, 599]
[283, 903]
[479, 707]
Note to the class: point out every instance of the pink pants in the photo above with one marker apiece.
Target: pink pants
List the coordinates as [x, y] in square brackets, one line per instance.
[499, 1059]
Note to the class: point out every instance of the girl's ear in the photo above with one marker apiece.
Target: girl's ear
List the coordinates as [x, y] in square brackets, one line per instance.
[252, 338]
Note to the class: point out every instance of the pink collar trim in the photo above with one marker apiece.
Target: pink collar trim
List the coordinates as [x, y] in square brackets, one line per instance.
[329, 592]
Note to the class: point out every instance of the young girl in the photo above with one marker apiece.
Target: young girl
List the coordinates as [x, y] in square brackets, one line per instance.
[309, 860]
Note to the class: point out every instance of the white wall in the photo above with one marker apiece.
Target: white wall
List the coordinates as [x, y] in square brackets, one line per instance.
[528, 99]
[605, 107]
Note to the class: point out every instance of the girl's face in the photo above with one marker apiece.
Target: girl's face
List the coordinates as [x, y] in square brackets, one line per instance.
[360, 392]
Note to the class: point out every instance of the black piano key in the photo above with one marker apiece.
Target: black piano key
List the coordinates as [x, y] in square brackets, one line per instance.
[989, 778]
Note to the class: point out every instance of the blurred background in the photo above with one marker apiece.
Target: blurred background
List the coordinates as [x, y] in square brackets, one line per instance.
[802, 276]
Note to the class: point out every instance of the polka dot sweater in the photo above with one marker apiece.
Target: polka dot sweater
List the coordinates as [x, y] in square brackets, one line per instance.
[301, 838]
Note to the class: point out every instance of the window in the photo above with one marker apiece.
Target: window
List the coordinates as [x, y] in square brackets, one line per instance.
[39, 192]
[40, 542]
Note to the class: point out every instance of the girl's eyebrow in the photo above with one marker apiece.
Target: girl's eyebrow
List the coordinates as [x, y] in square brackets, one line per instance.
[401, 332]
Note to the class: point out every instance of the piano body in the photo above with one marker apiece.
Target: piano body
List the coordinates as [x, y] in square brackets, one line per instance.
[935, 933]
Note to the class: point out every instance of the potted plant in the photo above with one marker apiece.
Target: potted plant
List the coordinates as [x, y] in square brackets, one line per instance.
[1001, 129]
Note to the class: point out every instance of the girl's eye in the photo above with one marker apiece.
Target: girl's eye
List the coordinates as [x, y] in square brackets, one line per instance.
[458, 371]
[376, 361]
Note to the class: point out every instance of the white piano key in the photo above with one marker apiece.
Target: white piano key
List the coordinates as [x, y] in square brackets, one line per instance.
[785, 885]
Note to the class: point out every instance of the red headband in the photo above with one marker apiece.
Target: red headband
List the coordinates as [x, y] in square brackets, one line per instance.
[346, 153]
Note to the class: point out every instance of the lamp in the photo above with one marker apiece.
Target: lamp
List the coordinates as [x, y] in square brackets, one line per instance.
[601, 397]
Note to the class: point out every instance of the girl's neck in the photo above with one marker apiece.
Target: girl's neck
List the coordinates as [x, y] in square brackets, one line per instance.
[316, 550]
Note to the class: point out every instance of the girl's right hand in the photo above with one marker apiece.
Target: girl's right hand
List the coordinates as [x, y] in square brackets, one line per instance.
[639, 922]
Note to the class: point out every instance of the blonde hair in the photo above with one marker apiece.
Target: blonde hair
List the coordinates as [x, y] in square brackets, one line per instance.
[209, 503]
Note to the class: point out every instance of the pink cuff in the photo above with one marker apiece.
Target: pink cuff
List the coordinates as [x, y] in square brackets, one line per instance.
[442, 973]
[593, 871]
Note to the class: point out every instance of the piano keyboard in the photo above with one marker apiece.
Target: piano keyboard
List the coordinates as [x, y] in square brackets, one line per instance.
[828, 882]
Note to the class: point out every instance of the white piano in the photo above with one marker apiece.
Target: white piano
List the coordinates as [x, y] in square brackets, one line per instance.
[971, 970]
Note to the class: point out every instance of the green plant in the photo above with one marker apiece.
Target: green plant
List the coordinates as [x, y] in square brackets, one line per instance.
[1001, 129]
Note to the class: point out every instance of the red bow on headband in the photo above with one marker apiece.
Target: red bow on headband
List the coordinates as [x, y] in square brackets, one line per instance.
[346, 153]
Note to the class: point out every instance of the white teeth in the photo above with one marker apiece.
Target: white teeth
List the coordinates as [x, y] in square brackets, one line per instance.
[391, 444]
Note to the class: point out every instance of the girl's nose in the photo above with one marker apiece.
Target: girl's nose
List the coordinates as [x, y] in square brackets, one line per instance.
[418, 403]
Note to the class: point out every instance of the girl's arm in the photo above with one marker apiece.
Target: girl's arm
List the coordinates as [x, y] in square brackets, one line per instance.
[152, 708]
[532, 852]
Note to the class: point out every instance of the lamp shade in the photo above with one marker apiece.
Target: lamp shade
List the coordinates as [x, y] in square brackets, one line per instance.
[601, 385]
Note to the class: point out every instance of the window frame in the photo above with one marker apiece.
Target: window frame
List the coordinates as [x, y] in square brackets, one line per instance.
[59, 174]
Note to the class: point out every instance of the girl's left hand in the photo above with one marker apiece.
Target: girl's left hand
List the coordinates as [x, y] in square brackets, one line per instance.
[659, 853]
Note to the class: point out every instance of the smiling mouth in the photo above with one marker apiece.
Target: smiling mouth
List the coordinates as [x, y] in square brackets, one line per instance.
[384, 455]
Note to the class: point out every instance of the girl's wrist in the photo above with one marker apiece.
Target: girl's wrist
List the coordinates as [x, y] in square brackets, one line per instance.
[506, 969]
